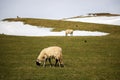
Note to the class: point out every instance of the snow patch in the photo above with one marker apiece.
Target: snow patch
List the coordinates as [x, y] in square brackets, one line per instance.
[101, 20]
[20, 29]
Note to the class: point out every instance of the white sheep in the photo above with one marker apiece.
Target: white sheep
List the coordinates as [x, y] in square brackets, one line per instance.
[69, 31]
[49, 53]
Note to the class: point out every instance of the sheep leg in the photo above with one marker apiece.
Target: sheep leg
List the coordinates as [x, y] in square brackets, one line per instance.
[56, 62]
[44, 64]
[50, 62]
[61, 63]
[66, 34]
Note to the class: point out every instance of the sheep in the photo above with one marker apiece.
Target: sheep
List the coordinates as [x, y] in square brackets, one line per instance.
[49, 53]
[18, 17]
[69, 31]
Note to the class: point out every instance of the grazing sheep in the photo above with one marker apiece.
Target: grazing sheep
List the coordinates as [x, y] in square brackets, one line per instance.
[69, 31]
[49, 53]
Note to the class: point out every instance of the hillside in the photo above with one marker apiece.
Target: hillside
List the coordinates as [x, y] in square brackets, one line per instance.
[59, 25]
[85, 58]
[109, 20]
[93, 15]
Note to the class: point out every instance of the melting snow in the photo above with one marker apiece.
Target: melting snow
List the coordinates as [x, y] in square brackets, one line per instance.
[20, 29]
[114, 20]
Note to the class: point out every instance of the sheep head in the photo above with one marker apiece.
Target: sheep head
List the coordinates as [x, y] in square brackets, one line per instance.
[38, 62]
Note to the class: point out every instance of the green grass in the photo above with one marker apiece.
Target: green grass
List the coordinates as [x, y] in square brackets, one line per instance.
[97, 59]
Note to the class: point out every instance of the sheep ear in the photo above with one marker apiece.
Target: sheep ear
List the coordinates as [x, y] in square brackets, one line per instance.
[43, 57]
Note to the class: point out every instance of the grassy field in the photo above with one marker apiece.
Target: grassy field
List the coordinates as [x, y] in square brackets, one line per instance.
[96, 59]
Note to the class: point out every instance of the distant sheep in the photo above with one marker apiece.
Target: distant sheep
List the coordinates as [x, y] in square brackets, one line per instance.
[18, 17]
[49, 53]
[69, 31]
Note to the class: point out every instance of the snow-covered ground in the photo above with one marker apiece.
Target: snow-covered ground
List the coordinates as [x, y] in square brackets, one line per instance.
[113, 20]
[19, 29]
